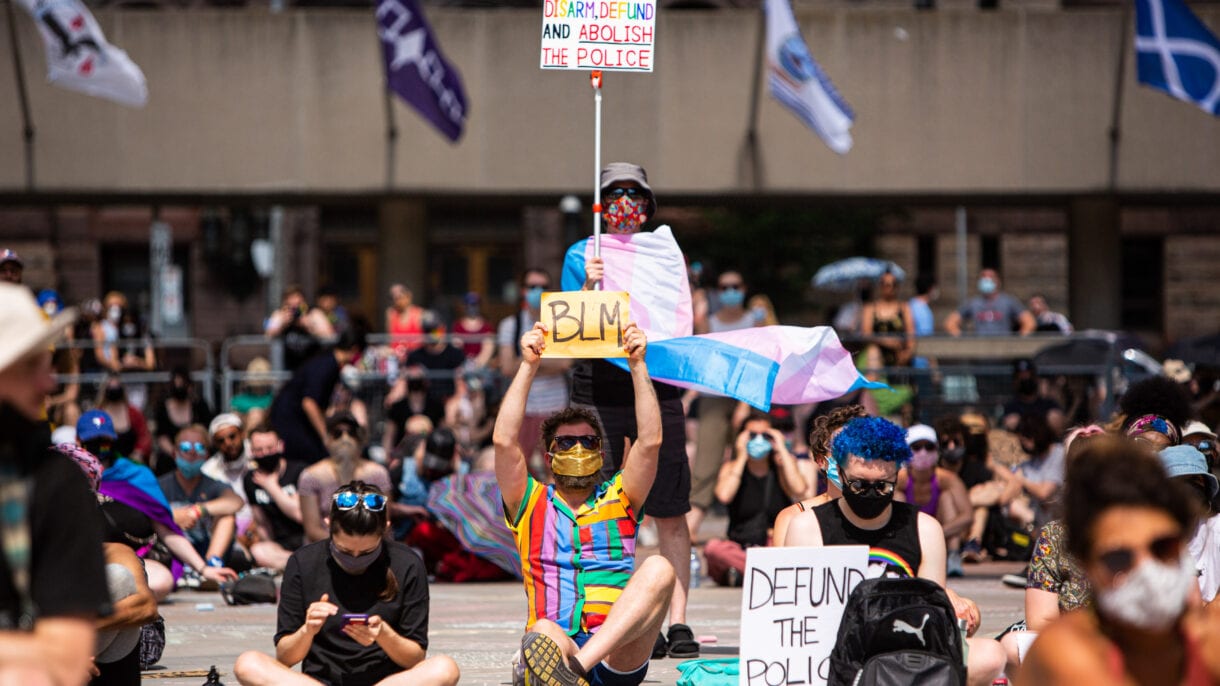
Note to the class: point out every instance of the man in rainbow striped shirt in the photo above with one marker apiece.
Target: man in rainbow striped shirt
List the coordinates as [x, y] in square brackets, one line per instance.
[592, 621]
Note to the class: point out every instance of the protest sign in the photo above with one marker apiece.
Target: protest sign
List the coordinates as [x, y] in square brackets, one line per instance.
[612, 35]
[585, 324]
[791, 604]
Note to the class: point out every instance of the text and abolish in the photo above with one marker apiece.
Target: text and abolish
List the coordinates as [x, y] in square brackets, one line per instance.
[598, 34]
[792, 601]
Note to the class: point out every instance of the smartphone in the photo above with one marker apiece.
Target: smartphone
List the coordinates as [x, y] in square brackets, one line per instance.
[354, 619]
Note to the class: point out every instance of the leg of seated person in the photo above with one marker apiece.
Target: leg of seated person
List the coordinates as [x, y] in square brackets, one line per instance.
[985, 661]
[1012, 654]
[270, 554]
[260, 669]
[439, 670]
[626, 638]
[160, 579]
[24, 675]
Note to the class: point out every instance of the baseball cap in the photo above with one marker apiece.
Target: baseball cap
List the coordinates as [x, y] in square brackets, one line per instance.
[1185, 460]
[921, 432]
[626, 171]
[7, 255]
[95, 424]
[1196, 427]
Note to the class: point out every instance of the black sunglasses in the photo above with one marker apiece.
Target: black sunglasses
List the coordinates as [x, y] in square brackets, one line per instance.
[616, 193]
[1117, 561]
[562, 443]
[862, 486]
[341, 431]
[923, 445]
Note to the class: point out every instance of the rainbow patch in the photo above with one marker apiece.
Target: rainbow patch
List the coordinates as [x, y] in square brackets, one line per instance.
[890, 559]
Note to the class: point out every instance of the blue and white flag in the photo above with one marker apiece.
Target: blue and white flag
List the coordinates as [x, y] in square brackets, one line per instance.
[1176, 53]
[78, 56]
[415, 68]
[799, 83]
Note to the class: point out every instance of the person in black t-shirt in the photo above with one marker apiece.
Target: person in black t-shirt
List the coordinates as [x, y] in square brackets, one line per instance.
[353, 608]
[271, 490]
[759, 482]
[903, 541]
[298, 412]
[53, 588]
[440, 360]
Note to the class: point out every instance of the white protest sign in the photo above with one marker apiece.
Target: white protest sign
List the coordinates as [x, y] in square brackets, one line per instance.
[791, 604]
[612, 35]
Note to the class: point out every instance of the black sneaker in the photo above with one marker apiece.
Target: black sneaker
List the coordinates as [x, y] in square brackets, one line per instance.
[682, 643]
[1016, 580]
[660, 649]
[545, 663]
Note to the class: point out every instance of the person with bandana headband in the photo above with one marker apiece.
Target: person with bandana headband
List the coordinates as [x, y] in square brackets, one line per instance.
[628, 202]
[549, 392]
[936, 491]
[230, 462]
[271, 490]
[204, 507]
[823, 431]
[353, 607]
[760, 480]
[1128, 524]
[992, 312]
[604, 633]
[903, 542]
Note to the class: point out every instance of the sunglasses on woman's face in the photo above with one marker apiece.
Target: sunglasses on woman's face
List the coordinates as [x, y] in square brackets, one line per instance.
[564, 443]
[346, 500]
[196, 447]
[1117, 561]
[862, 486]
[616, 193]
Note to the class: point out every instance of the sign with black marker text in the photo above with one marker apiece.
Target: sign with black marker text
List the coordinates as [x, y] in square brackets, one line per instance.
[791, 603]
[585, 324]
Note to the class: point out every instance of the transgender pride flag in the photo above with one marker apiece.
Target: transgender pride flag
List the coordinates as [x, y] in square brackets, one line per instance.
[789, 365]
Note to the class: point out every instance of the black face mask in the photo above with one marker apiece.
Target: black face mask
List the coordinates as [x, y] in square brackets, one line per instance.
[1027, 386]
[869, 504]
[179, 392]
[953, 455]
[268, 464]
[114, 393]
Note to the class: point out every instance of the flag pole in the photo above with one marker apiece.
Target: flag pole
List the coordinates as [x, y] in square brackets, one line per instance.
[27, 126]
[391, 138]
[752, 156]
[1116, 110]
[595, 80]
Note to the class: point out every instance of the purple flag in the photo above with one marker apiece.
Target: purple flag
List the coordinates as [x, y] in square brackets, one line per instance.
[415, 68]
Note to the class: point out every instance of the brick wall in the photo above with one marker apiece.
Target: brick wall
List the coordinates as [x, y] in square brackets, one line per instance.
[1192, 297]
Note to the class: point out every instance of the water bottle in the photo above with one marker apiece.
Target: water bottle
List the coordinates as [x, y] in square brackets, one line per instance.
[696, 568]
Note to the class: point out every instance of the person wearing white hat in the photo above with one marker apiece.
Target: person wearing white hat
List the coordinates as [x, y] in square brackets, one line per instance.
[936, 491]
[230, 462]
[48, 602]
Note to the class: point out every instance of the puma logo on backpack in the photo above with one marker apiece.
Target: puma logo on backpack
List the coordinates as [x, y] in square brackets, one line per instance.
[903, 627]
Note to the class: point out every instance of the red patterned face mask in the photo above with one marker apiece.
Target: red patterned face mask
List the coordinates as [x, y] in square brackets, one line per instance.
[625, 214]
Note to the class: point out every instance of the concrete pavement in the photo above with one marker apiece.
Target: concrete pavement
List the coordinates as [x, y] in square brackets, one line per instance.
[479, 625]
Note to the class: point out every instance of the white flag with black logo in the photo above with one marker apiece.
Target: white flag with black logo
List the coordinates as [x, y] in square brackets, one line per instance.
[799, 83]
[78, 56]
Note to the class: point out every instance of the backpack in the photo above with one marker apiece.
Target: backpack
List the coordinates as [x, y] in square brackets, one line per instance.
[898, 631]
[249, 589]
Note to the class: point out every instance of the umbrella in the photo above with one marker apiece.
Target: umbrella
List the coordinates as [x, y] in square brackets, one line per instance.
[469, 506]
[1203, 351]
[844, 274]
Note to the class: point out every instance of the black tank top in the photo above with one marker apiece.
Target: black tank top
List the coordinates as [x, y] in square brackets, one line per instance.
[894, 548]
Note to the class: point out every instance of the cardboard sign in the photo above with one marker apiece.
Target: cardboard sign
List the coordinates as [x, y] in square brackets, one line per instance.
[791, 603]
[585, 324]
[611, 35]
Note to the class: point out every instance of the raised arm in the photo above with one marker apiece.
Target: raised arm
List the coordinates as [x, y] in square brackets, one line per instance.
[640, 462]
[511, 472]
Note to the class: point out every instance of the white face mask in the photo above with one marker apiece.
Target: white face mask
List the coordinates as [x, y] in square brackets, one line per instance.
[1152, 596]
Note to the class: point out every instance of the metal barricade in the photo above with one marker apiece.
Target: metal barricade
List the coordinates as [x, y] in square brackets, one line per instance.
[203, 375]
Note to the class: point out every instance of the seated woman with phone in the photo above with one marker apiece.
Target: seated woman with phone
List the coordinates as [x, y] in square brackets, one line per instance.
[353, 607]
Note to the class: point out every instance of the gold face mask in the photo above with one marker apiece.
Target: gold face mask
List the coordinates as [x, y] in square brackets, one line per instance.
[578, 461]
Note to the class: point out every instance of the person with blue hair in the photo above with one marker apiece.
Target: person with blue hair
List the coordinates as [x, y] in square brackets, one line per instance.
[902, 541]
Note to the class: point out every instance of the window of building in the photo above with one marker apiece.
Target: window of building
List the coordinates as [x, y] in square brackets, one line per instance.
[1143, 282]
[989, 249]
[925, 254]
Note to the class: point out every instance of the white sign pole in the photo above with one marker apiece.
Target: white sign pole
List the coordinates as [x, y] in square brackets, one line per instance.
[791, 603]
[595, 80]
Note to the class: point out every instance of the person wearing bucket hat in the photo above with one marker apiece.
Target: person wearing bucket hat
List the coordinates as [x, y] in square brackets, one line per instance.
[48, 603]
[628, 202]
[1185, 464]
